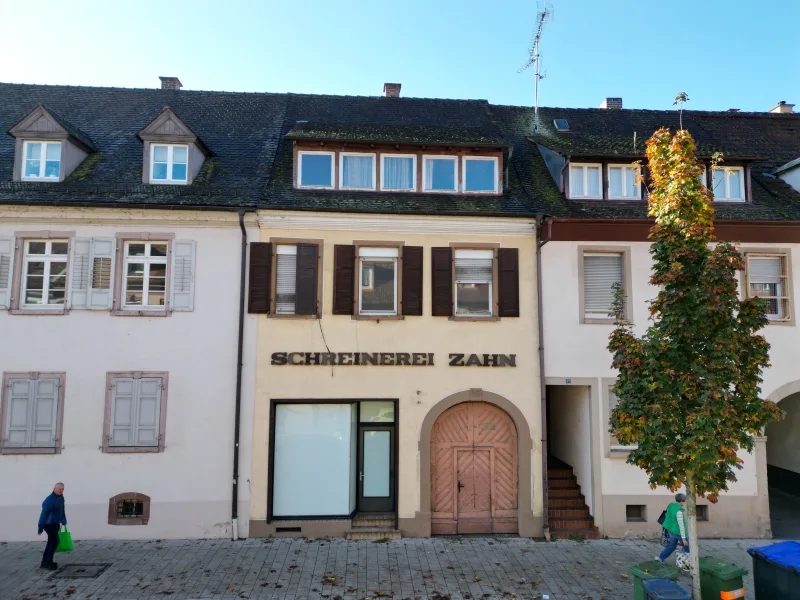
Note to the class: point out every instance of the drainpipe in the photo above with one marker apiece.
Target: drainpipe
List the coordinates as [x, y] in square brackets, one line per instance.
[235, 499]
[540, 219]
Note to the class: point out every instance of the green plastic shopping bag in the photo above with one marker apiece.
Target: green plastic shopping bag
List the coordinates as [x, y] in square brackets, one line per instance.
[64, 540]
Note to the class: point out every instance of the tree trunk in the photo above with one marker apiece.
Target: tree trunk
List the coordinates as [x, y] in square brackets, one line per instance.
[694, 546]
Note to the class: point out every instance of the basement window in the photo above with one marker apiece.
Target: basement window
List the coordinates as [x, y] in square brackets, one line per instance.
[702, 512]
[635, 513]
[129, 508]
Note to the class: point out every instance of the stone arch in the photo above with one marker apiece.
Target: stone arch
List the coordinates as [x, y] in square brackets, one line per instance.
[529, 526]
[784, 391]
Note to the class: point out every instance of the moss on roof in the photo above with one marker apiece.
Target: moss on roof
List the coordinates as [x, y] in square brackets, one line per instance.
[397, 134]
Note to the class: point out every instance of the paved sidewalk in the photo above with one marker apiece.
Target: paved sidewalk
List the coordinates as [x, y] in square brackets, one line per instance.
[444, 568]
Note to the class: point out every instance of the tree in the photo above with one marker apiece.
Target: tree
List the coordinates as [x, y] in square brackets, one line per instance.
[689, 388]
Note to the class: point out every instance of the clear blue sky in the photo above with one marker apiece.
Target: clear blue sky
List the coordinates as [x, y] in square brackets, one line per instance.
[723, 53]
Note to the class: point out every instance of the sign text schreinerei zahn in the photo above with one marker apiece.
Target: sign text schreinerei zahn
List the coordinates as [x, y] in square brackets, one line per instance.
[390, 359]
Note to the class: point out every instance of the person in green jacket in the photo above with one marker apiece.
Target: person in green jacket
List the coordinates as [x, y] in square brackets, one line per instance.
[675, 524]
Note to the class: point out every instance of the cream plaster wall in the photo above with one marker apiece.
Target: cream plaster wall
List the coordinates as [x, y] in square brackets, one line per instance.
[576, 350]
[417, 388]
[190, 482]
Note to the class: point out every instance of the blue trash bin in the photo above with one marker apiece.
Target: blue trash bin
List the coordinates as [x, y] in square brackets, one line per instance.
[664, 589]
[776, 571]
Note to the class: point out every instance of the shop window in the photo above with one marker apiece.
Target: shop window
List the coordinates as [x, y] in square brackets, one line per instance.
[130, 508]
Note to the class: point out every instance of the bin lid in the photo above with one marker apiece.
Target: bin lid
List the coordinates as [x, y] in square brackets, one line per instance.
[655, 569]
[786, 554]
[665, 589]
[721, 569]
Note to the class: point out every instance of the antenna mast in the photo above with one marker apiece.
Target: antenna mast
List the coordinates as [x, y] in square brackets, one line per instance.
[533, 59]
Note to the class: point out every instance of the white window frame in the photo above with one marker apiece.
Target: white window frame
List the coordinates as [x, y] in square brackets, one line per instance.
[47, 258]
[42, 161]
[704, 176]
[137, 376]
[624, 166]
[599, 168]
[413, 158]
[493, 159]
[474, 253]
[5, 413]
[358, 154]
[727, 185]
[425, 183]
[300, 155]
[369, 253]
[616, 449]
[785, 282]
[147, 260]
[170, 150]
[288, 250]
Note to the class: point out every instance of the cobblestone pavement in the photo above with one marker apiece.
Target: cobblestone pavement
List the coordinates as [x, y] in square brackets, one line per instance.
[475, 568]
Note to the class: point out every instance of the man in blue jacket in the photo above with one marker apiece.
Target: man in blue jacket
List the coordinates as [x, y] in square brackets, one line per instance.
[50, 521]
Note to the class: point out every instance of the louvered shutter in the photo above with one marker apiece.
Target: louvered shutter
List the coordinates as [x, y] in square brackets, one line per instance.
[19, 413]
[344, 268]
[260, 274]
[182, 296]
[45, 413]
[147, 411]
[79, 272]
[441, 282]
[306, 280]
[6, 269]
[123, 403]
[101, 276]
[600, 273]
[412, 281]
[508, 282]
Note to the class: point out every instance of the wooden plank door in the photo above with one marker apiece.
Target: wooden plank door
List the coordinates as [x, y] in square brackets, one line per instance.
[474, 496]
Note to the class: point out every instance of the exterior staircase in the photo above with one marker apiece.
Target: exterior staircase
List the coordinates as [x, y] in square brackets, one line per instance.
[566, 505]
[372, 526]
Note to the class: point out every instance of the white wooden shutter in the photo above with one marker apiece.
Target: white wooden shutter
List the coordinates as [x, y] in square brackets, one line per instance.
[148, 411]
[79, 272]
[600, 273]
[6, 269]
[182, 296]
[123, 401]
[18, 413]
[45, 413]
[101, 280]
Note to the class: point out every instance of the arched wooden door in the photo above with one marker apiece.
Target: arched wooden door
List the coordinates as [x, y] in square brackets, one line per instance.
[474, 471]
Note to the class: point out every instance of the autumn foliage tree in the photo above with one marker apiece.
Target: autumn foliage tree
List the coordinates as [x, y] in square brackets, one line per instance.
[689, 388]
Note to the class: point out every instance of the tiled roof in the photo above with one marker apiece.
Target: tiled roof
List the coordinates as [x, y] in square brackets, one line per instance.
[398, 134]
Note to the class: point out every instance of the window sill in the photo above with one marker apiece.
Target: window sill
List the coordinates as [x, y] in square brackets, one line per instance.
[619, 452]
[600, 321]
[402, 190]
[315, 187]
[140, 313]
[625, 198]
[30, 450]
[286, 316]
[123, 521]
[132, 449]
[378, 317]
[161, 182]
[475, 319]
[730, 201]
[782, 322]
[38, 311]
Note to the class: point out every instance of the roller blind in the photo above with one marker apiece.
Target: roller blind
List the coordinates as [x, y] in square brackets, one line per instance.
[600, 273]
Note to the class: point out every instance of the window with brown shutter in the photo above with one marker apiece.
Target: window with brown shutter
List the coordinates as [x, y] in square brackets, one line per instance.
[441, 282]
[412, 280]
[508, 282]
[344, 264]
[260, 277]
[306, 273]
[296, 278]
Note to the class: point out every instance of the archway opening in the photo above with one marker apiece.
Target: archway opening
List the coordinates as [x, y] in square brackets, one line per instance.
[783, 470]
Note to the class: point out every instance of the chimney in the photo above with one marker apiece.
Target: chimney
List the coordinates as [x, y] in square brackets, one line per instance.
[391, 90]
[734, 110]
[782, 107]
[170, 83]
[611, 104]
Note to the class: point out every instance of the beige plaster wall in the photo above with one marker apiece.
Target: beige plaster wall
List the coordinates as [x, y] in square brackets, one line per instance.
[417, 388]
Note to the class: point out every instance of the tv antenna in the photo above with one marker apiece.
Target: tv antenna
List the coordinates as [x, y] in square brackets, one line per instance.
[533, 59]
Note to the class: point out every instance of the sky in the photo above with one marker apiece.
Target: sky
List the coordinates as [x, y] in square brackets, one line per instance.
[722, 53]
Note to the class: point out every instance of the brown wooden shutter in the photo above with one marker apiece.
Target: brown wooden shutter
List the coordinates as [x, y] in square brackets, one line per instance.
[344, 272]
[306, 283]
[412, 281]
[508, 282]
[442, 282]
[260, 277]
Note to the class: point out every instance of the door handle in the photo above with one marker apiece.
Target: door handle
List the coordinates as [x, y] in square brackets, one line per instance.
[460, 485]
[361, 476]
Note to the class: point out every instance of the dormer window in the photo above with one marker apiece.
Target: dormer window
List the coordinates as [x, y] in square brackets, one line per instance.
[439, 174]
[480, 174]
[622, 183]
[585, 181]
[42, 160]
[169, 163]
[399, 172]
[728, 184]
[315, 169]
[357, 171]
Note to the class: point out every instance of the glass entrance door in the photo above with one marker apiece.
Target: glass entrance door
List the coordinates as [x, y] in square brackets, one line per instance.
[376, 484]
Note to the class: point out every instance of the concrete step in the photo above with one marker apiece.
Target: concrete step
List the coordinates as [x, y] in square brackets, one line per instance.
[586, 534]
[373, 533]
[571, 524]
[373, 522]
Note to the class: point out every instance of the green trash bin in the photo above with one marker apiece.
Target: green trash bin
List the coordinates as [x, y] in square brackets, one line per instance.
[652, 569]
[721, 580]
